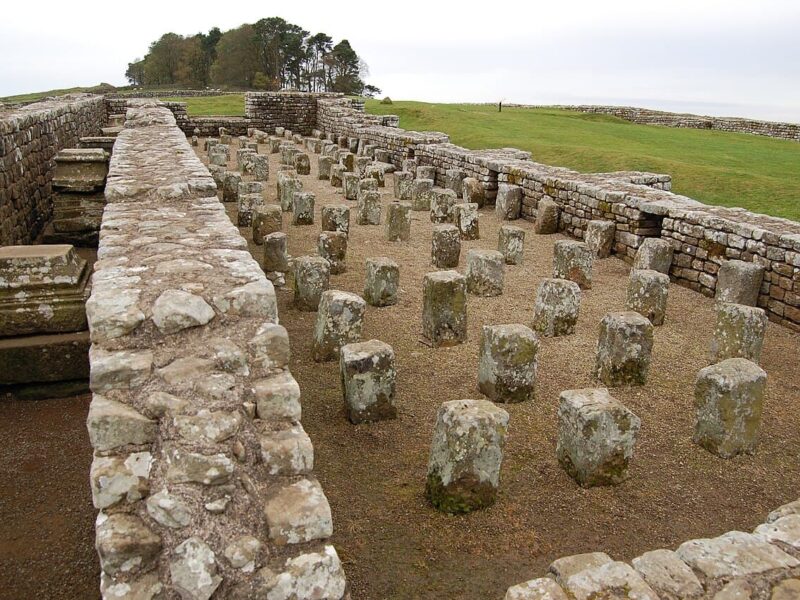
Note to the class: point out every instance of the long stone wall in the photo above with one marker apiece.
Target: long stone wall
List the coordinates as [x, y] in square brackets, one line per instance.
[30, 137]
[296, 111]
[202, 472]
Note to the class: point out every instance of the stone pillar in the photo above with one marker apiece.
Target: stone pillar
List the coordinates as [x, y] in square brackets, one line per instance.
[361, 165]
[243, 159]
[441, 204]
[473, 191]
[600, 237]
[420, 197]
[336, 217]
[373, 171]
[246, 205]
[366, 185]
[555, 311]
[465, 217]
[623, 350]
[398, 222]
[738, 332]
[368, 379]
[507, 363]
[509, 202]
[259, 167]
[340, 319]
[466, 455]
[426, 172]
[728, 399]
[288, 184]
[453, 180]
[547, 214]
[647, 295]
[444, 308]
[654, 254]
[445, 246]
[337, 175]
[410, 165]
[739, 282]
[303, 208]
[402, 184]
[332, 246]
[302, 164]
[348, 161]
[230, 186]
[369, 208]
[311, 279]
[275, 256]
[350, 184]
[267, 219]
[382, 281]
[274, 144]
[324, 164]
[573, 260]
[511, 244]
[596, 436]
[485, 271]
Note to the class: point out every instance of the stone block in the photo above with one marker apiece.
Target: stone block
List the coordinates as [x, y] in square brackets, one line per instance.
[654, 254]
[324, 164]
[246, 205]
[507, 363]
[729, 398]
[259, 167]
[368, 381]
[311, 279]
[176, 310]
[288, 186]
[276, 397]
[511, 244]
[555, 310]
[373, 171]
[508, 202]
[340, 319]
[573, 260]
[465, 217]
[287, 451]
[332, 246]
[302, 164]
[337, 175]
[114, 425]
[623, 349]
[485, 272]
[410, 165]
[565, 567]
[80, 170]
[543, 588]
[444, 308]
[336, 217]
[547, 217]
[738, 332]
[350, 185]
[668, 575]
[125, 544]
[453, 180]
[267, 218]
[600, 237]
[276, 259]
[610, 580]
[298, 512]
[348, 161]
[596, 436]
[473, 191]
[230, 186]
[41, 359]
[369, 208]
[403, 185]
[398, 222]
[466, 455]
[739, 282]
[445, 246]
[442, 202]
[426, 172]
[303, 208]
[382, 282]
[420, 193]
[647, 295]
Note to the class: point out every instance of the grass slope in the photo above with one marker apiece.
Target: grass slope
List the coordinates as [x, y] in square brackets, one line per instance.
[758, 173]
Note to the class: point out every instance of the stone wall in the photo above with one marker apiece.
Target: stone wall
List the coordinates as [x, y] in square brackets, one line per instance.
[296, 111]
[646, 116]
[30, 137]
[759, 565]
[202, 471]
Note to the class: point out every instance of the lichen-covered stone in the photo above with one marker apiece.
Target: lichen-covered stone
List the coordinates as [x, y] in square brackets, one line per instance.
[426, 172]
[193, 571]
[555, 311]
[259, 167]
[441, 202]
[298, 513]
[547, 216]
[473, 191]
[288, 185]
[176, 310]
[739, 282]
[596, 436]
[302, 164]
[382, 281]
[507, 363]
[340, 320]
[738, 332]
[337, 175]
[267, 219]
[543, 588]
[398, 222]
[125, 544]
[276, 260]
[420, 193]
[403, 185]
[311, 575]
[445, 246]
[276, 397]
[465, 217]
[466, 455]
[287, 451]
[511, 244]
[444, 308]
[350, 183]
[509, 202]
[623, 349]
[373, 171]
[485, 272]
[311, 279]
[647, 295]
[112, 424]
[729, 399]
[116, 479]
[168, 510]
[303, 208]
[453, 180]
[324, 164]
[242, 553]
[336, 217]
[230, 186]
[600, 237]
[654, 254]
[192, 467]
[368, 376]
[615, 580]
[368, 211]
[332, 246]
[573, 260]
[668, 575]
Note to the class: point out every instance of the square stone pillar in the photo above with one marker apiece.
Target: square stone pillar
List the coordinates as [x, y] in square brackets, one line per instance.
[368, 381]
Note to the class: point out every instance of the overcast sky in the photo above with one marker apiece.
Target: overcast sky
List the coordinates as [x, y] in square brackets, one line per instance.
[706, 56]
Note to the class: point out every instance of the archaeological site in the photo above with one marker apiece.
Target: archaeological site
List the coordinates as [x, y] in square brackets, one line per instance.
[305, 353]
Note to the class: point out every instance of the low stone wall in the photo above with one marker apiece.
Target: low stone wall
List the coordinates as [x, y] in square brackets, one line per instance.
[170, 94]
[30, 137]
[646, 116]
[759, 565]
[296, 111]
[202, 471]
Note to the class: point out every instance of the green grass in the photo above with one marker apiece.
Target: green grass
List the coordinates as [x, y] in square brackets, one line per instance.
[228, 105]
[758, 173]
[33, 96]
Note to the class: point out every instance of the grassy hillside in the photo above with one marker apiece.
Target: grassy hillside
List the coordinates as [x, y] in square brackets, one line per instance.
[228, 105]
[757, 173]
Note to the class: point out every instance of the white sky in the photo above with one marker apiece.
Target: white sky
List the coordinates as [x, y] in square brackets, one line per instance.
[725, 57]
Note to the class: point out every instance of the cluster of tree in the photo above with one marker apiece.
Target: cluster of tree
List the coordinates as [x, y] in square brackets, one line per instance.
[270, 54]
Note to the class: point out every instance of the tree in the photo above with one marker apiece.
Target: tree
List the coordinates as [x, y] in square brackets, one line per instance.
[163, 60]
[344, 69]
[237, 58]
[135, 72]
[370, 91]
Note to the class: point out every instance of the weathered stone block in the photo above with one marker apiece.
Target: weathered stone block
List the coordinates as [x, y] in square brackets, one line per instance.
[596, 436]
[276, 260]
[473, 191]
[507, 363]
[600, 237]
[125, 544]
[113, 425]
[311, 279]
[466, 455]
[302, 164]
[623, 350]
[298, 512]
[465, 217]
[398, 222]
[368, 379]
[445, 246]
[350, 183]
[654, 254]
[511, 244]
[176, 310]
[337, 175]
[369, 208]
[453, 180]
[230, 186]
[444, 308]
[573, 260]
[647, 295]
[610, 580]
[288, 185]
[332, 246]
[403, 185]
[738, 332]
[543, 588]
[556, 308]
[303, 208]
[420, 193]
[340, 319]
[287, 451]
[259, 167]
[116, 479]
[442, 202]
[739, 282]
[276, 397]
[547, 216]
[80, 170]
[668, 575]
[426, 172]
[373, 171]
[508, 202]
[267, 218]
[336, 217]
[324, 164]
[485, 272]
[729, 398]
[382, 281]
